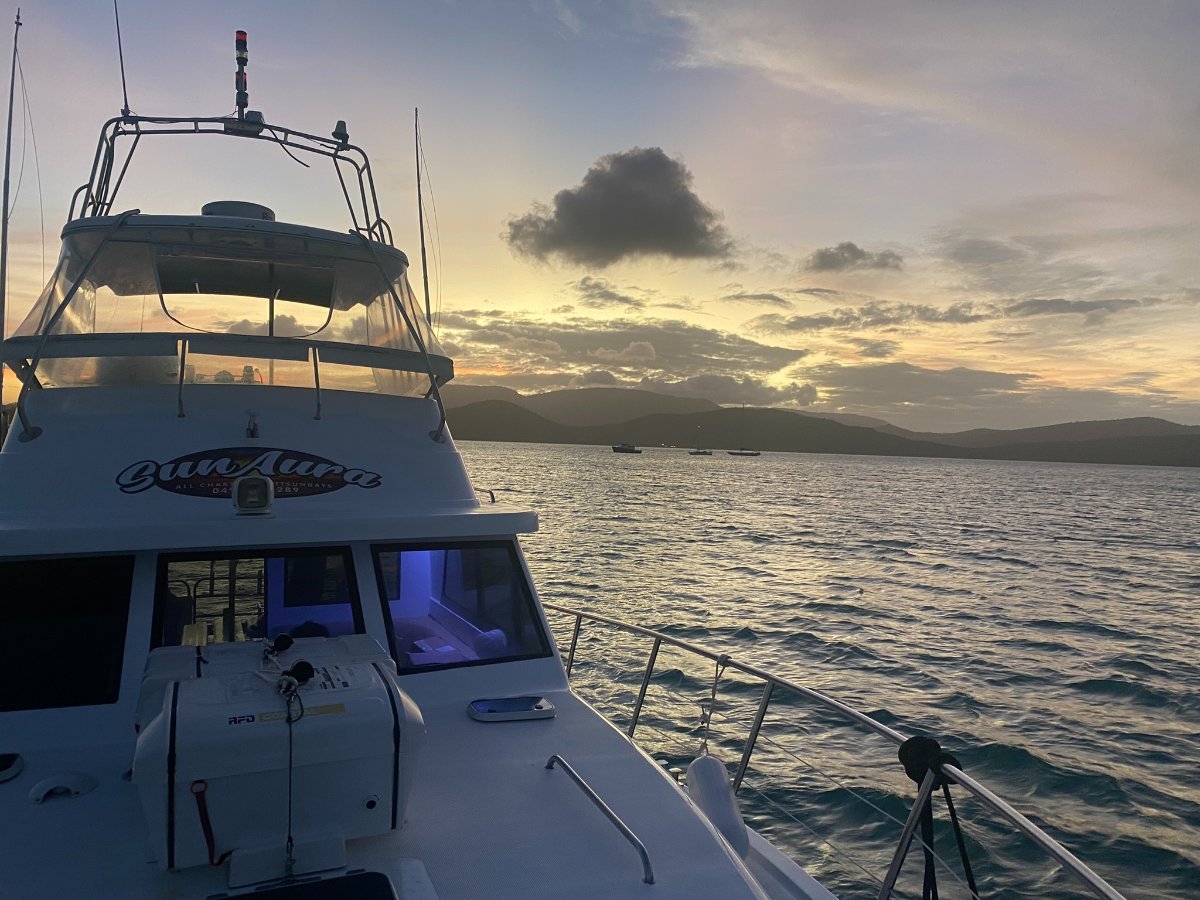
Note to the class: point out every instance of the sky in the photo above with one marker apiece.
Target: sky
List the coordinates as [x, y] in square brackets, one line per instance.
[945, 215]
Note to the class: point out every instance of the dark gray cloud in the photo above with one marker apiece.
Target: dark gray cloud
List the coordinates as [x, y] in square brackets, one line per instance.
[573, 346]
[1059, 307]
[886, 315]
[901, 382]
[954, 399]
[636, 203]
[729, 389]
[982, 252]
[875, 349]
[285, 326]
[599, 293]
[848, 255]
[874, 314]
[1029, 265]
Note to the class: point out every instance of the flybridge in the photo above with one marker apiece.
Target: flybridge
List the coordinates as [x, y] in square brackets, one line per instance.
[230, 296]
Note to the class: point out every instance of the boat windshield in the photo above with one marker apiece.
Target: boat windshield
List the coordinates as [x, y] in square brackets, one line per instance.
[214, 598]
[268, 280]
[456, 604]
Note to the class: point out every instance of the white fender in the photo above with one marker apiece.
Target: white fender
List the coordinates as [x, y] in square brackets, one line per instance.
[708, 787]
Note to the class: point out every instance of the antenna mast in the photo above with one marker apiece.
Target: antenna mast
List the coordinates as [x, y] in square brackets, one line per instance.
[421, 212]
[12, 83]
[121, 56]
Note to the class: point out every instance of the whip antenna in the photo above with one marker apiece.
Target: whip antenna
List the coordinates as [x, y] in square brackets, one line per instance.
[120, 55]
[421, 214]
[12, 81]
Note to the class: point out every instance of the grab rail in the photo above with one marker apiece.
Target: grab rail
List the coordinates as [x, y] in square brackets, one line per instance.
[1090, 879]
[647, 872]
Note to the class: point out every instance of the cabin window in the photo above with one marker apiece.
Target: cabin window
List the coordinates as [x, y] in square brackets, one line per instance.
[455, 604]
[62, 631]
[204, 598]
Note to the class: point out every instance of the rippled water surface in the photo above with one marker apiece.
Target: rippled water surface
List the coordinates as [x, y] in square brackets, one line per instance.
[1039, 619]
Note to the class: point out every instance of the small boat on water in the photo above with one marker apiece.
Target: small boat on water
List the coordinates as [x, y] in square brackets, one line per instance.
[699, 452]
[744, 451]
[625, 448]
[260, 638]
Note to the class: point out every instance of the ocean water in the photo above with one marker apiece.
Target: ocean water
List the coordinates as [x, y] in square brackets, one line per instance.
[1041, 620]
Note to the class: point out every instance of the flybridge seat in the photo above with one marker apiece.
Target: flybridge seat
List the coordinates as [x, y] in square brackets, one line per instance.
[141, 299]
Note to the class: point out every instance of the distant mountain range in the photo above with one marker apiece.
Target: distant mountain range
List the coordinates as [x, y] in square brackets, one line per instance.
[616, 415]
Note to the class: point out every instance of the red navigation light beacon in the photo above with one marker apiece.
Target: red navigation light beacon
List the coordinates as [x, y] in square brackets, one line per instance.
[248, 122]
[243, 58]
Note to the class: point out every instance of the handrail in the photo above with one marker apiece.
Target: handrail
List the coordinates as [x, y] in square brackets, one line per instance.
[817, 696]
[647, 872]
[954, 775]
[259, 346]
[1095, 883]
[97, 195]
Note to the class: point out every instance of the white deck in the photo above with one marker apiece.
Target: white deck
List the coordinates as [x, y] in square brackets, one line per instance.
[486, 818]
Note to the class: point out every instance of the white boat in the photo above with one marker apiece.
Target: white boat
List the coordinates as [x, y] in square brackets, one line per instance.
[259, 635]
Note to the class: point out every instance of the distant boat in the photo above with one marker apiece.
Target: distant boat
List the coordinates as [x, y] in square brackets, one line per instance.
[699, 452]
[625, 448]
[743, 451]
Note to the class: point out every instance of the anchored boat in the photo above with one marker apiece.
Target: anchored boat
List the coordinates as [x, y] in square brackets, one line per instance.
[259, 635]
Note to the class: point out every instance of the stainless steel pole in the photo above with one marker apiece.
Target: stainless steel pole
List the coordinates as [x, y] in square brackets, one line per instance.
[12, 84]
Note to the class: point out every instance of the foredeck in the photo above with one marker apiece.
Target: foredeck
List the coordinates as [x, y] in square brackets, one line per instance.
[485, 818]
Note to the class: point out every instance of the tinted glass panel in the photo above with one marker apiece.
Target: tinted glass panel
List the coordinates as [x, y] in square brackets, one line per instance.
[62, 631]
[458, 604]
[207, 598]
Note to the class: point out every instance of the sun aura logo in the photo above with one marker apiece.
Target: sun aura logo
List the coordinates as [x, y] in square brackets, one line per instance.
[210, 473]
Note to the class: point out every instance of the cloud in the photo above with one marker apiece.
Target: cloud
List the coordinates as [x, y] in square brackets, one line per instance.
[598, 293]
[875, 314]
[636, 352]
[285, 326]
[822, 293]
[886, 315]
[635, 203]
[1093, 82]
[875, 349]
[763, 298]
[982, 252]
[901, 382]
[958, 398]
[1058, 307]
[847, 255]
[595, 378]
[729, 389]
[508, 346]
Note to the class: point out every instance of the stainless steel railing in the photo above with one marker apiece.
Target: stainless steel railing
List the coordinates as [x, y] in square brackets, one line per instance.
[772, 682]
[647, 872]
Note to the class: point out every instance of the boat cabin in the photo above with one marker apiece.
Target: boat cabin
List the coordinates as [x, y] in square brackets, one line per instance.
[257, 628]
